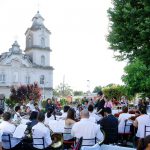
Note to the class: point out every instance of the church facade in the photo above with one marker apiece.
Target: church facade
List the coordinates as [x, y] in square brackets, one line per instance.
[33, 65]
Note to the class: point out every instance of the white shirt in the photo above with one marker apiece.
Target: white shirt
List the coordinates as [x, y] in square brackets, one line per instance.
[41, 131]
[64, 115]
[48, 119]
[17, 116]
[142, 121]
[7, 127]
[32, 108]
[121, 119]
[88, 130]
[93, 117]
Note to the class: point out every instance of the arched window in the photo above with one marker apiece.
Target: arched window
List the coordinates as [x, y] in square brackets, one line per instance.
[29, 41]
[2, 77]
[42, 78]
[42, 60]
[42, 42]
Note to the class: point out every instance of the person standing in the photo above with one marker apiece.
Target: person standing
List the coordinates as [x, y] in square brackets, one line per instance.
[100, 103]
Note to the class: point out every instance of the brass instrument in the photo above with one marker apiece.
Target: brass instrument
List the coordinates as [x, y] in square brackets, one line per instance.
[57, 138]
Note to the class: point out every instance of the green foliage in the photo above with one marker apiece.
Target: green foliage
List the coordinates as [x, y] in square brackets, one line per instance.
[78, 93]
[114, 91]
[97, 89]
[137, 78]
[63, 90]
[130, 29]
[43, 103]
[10, 103]
[63, 102]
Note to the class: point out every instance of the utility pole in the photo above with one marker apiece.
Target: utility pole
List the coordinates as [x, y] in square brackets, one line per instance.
[63, 86]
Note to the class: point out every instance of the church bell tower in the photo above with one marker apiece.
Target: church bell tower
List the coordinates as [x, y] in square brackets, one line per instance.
[37, 42]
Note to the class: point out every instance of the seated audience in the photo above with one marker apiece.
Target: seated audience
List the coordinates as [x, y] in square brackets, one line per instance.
[41, 131]
[93, 117]
[8, 128]
[110, 126]
[122, 119]
[86, 129]
[17, 116]
[33, 120]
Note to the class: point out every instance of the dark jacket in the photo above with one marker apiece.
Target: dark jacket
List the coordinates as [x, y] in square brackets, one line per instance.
[110, 126]
[100, 105]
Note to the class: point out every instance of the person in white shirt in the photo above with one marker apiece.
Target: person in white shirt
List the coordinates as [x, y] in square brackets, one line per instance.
[8, 128]
[64, 114]
[17, 116]
[86, 129]
[49, 115]
[31, 105]
[122, 118]
[140, 123]
[93, 117]
[41, 131]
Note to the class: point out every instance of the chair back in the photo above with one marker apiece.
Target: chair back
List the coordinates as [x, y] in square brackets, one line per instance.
[127, 127]
[6, 140]
[111, 135]
[147, 131]
[39, 142]
[78, 144]
[89, 142]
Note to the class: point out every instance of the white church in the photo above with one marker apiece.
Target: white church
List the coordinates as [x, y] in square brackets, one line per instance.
[31, 66]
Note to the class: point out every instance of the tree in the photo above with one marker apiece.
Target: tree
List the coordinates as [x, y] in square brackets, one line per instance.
[25, 93]
[78, 93]
[63, 90]
[97, 89]
[130, 30]
[114, 91]
[137, 78]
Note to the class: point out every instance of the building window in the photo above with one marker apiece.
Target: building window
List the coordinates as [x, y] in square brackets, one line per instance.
[15, 77]
[28, 79]
[42, 42]
[42, 78]
[2, 77]
[42, 60]
[29, 41]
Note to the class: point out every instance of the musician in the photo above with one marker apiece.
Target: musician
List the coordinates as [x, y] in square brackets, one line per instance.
[110, 125]
[33, 120]
[49, 115]
[7, 127]
[69, 122]
[31, 105]
[17, 115]
[64, 114]
[100, 103]
[86, 129]
[93, 117]
[41, 131]
[49, 104]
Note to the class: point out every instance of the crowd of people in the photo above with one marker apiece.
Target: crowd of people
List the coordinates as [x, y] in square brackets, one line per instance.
[93, 121]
